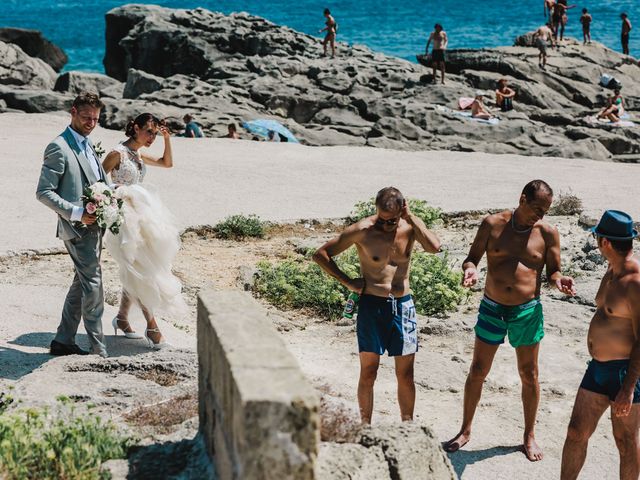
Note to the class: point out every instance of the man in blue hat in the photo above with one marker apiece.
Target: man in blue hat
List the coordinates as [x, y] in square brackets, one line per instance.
[611, 380]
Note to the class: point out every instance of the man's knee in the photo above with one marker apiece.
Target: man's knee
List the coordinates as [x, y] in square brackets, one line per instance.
[368, 373]
[405, 374]
[626, 441]
[479, 371]
[576, 434]
[528, 374]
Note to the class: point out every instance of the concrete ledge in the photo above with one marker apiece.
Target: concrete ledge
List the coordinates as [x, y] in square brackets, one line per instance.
[258, 414]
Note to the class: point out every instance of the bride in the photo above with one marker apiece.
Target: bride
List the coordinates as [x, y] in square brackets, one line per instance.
[148, 240]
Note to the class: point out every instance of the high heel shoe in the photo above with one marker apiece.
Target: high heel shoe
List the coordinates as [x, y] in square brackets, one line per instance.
[132, 335]
[156, 346]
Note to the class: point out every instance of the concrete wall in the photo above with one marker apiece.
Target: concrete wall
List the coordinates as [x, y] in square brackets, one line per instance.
[258, 415]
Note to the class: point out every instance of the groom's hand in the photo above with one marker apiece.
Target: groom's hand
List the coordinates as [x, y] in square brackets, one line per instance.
[87, 218]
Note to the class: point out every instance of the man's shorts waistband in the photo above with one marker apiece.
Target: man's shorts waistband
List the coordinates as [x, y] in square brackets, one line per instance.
[522, 306]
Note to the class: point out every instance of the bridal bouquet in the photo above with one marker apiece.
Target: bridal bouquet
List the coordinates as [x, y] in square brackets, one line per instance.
[100, 200]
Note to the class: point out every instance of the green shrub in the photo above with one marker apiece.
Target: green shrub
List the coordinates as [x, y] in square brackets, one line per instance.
[38, 444]
[419, 208]
[237, 227]
[300, 283]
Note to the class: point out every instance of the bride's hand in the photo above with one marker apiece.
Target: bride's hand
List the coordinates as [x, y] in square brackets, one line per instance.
[164, 131]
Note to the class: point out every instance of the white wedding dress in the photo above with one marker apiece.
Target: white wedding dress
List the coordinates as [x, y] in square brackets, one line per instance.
[147, 243]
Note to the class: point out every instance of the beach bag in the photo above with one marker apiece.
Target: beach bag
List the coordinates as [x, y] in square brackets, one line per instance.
[609, 81]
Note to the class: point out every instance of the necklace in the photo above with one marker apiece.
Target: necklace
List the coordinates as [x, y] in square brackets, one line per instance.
[513, 224]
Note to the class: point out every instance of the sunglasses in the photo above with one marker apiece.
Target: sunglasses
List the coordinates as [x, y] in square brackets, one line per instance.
[391, 221]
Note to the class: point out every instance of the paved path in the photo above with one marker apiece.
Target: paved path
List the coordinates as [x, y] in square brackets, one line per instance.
[213, 178]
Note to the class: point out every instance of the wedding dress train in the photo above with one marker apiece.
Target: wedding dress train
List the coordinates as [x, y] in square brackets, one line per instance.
[145, 248]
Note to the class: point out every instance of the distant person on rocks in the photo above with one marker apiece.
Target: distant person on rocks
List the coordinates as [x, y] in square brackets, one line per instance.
[387, 315]
[440, 41]
[478, 110]
[560, 17]
[518, 245]
[70, 165]
[504, 95]
[191, 128]
[626, 30]
[548, 9]
[611, 380]
[232, 132]
[614, 107]
[332, 30]
[541, 37]
[586, 20]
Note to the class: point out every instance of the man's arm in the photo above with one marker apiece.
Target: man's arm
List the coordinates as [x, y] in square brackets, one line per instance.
[622, 404]
[324, 256]
[53, 168]
[429, 241]
[429, 43]
[478, 247]
[445, 40]
[563, 283]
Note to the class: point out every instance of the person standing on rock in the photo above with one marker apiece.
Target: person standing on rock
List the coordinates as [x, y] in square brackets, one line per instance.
[540, 37]
[586, 20]
[518, 245]
[440, 41]
[626, 30]
[612, 377]
[332, 30]
[71, 165]
[387, 315]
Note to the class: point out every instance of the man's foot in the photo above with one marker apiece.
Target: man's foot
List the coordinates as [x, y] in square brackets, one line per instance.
[57, 348]
[457, 442]
[532, 450]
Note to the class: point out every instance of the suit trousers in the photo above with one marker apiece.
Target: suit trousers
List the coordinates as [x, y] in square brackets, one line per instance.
[85, 298]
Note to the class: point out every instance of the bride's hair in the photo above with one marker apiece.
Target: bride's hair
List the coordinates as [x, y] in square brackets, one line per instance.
[141, 120]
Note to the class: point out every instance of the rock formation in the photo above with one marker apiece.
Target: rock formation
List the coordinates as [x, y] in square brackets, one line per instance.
[230, 68]
[35, 45]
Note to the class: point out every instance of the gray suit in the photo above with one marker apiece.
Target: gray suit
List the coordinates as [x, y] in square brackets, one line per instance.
[65, 174]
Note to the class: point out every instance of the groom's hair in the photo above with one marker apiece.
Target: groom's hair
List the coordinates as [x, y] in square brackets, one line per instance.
[87, 99]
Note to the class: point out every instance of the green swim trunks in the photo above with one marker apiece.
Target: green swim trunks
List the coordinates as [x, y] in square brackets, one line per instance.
[524, 323]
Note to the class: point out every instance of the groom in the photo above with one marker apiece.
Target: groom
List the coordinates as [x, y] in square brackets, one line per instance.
[70, 165]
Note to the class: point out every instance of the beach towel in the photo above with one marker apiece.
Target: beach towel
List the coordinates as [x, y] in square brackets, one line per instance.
[467, 115]
[593, 120]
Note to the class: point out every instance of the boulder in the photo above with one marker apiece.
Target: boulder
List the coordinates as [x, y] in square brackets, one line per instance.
[350, 461]
[35, 101]
[139, 82]
[34, 44]
[75, 82]
[18, 68]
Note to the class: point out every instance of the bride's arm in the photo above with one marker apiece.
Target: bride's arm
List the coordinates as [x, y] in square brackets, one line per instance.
[166, 160]
[111, 161]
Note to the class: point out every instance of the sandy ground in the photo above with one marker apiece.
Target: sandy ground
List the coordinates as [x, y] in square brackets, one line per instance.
[214, 178]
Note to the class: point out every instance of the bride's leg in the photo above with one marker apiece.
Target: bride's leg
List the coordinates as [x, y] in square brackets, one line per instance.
[123, 313]
[153, 332]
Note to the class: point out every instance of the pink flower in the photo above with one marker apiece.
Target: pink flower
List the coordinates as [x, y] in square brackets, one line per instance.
[99, 198]
[91, 208]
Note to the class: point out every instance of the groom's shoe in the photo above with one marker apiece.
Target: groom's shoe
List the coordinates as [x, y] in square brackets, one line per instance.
[58, 348]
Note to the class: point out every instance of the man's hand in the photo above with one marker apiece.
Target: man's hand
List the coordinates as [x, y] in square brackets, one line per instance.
[623, 402]
[356, 285]
[566, 285]
[470, 277]
[87, 218]
[405, 213]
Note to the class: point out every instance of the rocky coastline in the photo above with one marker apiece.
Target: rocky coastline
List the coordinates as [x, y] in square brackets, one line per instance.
[231, 68]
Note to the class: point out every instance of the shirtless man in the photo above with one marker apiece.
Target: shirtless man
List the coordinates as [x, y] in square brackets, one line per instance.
[387, 316]
[626, 29]
[518, 245]
[611, 379]
[540, 37]
[586, 20]
[440, 41]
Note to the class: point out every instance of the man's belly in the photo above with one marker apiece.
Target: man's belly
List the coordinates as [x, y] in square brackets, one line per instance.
[610, 338]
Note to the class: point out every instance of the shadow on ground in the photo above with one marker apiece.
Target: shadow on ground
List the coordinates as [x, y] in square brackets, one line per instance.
[16, 363]
[462, 458]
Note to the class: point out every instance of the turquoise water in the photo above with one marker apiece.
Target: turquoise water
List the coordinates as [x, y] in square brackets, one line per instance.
[396, 28]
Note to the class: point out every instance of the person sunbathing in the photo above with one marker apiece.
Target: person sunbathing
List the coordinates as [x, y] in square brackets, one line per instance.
[478, 110]
[614, 107]
[504, 95]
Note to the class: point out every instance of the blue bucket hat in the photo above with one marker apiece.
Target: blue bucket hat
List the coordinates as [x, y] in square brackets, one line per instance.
[615, 225]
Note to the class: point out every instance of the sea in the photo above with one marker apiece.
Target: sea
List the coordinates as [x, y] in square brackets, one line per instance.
[398, 28]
